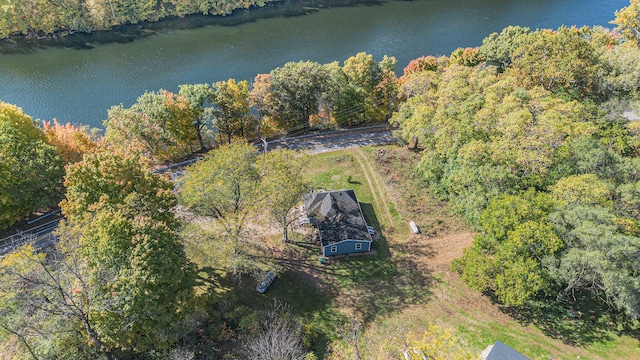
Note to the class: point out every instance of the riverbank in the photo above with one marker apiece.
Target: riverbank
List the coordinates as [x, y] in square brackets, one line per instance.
[131, 32]
[80, 84]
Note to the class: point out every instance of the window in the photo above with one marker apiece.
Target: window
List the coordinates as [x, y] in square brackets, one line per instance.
[334, 248]
[358, 246]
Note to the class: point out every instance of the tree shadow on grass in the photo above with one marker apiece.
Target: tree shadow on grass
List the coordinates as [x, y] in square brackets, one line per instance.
[579, 324]
[244, 308]
[372, 286]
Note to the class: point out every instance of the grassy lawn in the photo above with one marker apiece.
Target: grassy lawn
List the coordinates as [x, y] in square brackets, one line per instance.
[407, 285]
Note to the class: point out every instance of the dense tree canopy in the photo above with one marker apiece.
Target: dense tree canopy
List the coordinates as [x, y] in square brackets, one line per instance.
[297, 89]
[38, 17]
[121, 223]
[525, 136]
[31, 170]
[71, 142]
[537, 155]
[116, 182]
[160, 125]
[628, 21]
[138, 266]
[118, 283]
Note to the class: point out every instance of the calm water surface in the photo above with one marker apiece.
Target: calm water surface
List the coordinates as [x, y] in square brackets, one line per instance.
[79, 86]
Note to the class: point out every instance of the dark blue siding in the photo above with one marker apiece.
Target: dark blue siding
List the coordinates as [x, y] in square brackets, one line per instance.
[346, 247]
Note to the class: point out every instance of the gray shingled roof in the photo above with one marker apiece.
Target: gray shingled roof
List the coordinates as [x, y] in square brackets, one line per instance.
[338, 216]
[501, 351]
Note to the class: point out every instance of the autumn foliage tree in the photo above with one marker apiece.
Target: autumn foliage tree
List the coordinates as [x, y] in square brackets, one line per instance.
[119, 215]
[31, 170]
[261, 98]
[231, 109]
[107, 180]
[159, 125]
[41, 17]
[467, 56]
[423, 63]
[297, 88]
[70, 141]
[628, 21]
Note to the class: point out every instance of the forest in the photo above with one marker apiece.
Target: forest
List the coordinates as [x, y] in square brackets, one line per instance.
[529, 138]
[45, 18]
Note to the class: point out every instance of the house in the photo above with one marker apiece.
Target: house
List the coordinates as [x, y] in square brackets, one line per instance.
[341, 225]
[501, 351]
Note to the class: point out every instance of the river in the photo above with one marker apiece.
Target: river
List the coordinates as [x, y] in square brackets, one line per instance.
[80, 85]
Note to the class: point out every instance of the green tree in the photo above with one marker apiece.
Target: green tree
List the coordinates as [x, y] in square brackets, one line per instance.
[511, 256]
[590, 156]
[107, 180]
[31, 171]
[231, 109]
[584, 189]
[159, 124]
[145, 281]
[498, 49]
[112, 280]
[628, 21]
[344, 98]
[283, 182]
[362, 90]
[628, 199]
[197, 96]
[297, 89]
[598, 258]
[559, 61]
[225, 187]
[622, 78]
[357, 99]
[120, 221]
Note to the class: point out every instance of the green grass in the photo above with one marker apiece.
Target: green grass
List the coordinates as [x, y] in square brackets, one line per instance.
[401, 295]
[394, 292]
[337, 170]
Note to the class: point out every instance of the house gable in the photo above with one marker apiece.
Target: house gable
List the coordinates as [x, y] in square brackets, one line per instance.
[339, 219]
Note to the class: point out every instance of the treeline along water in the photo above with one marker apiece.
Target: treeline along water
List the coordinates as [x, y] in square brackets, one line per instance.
[79, 84]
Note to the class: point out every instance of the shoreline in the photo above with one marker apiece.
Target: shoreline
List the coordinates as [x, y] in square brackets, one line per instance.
[132, 32]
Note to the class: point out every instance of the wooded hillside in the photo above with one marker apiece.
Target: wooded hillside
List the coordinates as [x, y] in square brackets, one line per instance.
[531, 137]
[43, 17]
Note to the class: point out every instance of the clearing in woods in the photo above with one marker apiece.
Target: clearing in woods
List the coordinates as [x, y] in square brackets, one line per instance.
[408, 284]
